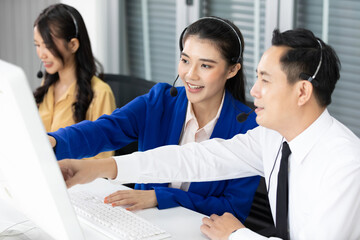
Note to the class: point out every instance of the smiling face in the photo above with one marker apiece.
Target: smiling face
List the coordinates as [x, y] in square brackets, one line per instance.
[275, 99]
[204, 72]
[52, 63]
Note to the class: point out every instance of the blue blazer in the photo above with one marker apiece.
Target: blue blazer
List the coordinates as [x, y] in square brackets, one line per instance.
[156, 119]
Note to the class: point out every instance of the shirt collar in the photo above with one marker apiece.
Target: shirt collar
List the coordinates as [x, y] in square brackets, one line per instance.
[190, 115]
[69, 92]
[303, 143]
[71, 89]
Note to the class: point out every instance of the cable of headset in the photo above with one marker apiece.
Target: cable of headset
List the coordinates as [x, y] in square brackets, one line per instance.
[272, 169]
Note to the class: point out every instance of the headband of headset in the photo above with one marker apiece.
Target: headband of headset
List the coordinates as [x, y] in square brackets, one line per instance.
[236, 60]
[75, 23]
[308, 77]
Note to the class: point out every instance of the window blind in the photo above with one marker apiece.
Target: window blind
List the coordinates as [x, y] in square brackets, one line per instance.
[161, 23]
[242, 14]
[343, 36]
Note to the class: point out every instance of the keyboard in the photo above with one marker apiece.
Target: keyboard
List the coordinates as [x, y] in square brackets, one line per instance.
[115, 222]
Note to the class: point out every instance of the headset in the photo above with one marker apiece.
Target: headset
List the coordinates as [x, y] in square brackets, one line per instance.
[241, 117]
[173, 90]
[40, 73]
[308, 77]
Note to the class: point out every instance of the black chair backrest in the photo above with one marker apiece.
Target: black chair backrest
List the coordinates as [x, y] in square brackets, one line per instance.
[260, 217]
[126, 88]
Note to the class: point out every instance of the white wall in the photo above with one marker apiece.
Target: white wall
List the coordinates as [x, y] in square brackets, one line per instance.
[102, 22]
[16, 34]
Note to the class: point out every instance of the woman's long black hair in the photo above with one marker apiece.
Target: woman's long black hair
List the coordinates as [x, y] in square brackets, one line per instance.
[65, 22]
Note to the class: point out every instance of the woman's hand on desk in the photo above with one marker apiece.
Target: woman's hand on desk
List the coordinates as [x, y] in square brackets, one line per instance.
[84, 171]
[220, 227]
[137, 199]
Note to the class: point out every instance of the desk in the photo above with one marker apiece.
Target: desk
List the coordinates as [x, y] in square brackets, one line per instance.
[180, 222]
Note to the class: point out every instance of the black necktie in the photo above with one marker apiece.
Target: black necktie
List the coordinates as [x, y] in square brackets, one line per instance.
[282, 197]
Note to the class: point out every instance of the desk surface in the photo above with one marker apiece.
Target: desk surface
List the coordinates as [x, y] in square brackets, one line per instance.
[180, 222]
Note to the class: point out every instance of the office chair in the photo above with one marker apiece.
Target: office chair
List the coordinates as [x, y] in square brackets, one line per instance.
[126, 88]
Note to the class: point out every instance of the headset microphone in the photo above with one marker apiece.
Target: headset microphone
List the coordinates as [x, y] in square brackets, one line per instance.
[173, 90]
[241, 117]
[40, 73]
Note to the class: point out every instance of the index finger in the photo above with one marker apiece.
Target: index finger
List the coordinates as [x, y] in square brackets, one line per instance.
[214, 217]
[119, 192]
[205, 229]
[207, 221]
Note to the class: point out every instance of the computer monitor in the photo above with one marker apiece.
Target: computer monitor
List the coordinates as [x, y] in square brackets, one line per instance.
[31, 179]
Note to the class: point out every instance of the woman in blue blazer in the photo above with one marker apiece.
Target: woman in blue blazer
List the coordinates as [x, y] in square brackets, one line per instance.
[206, 107]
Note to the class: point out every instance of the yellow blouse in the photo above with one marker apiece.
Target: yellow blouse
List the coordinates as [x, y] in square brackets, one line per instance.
[60, 114]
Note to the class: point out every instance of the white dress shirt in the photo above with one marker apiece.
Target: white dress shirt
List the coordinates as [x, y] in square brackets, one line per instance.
[324, 174]
[192, 133]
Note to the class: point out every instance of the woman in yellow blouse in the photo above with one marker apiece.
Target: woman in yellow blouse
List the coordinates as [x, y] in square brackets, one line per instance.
[70, 91]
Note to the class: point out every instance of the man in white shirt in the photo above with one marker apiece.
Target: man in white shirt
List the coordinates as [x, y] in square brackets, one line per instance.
[296, 77]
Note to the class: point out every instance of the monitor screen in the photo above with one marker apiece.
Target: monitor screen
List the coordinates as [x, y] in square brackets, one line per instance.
[30, 177]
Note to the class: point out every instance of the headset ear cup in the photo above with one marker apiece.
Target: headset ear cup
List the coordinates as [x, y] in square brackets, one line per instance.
[304, 76]
[315, 82]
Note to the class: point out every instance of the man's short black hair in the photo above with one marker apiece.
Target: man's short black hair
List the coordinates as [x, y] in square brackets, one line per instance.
[304, 57]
